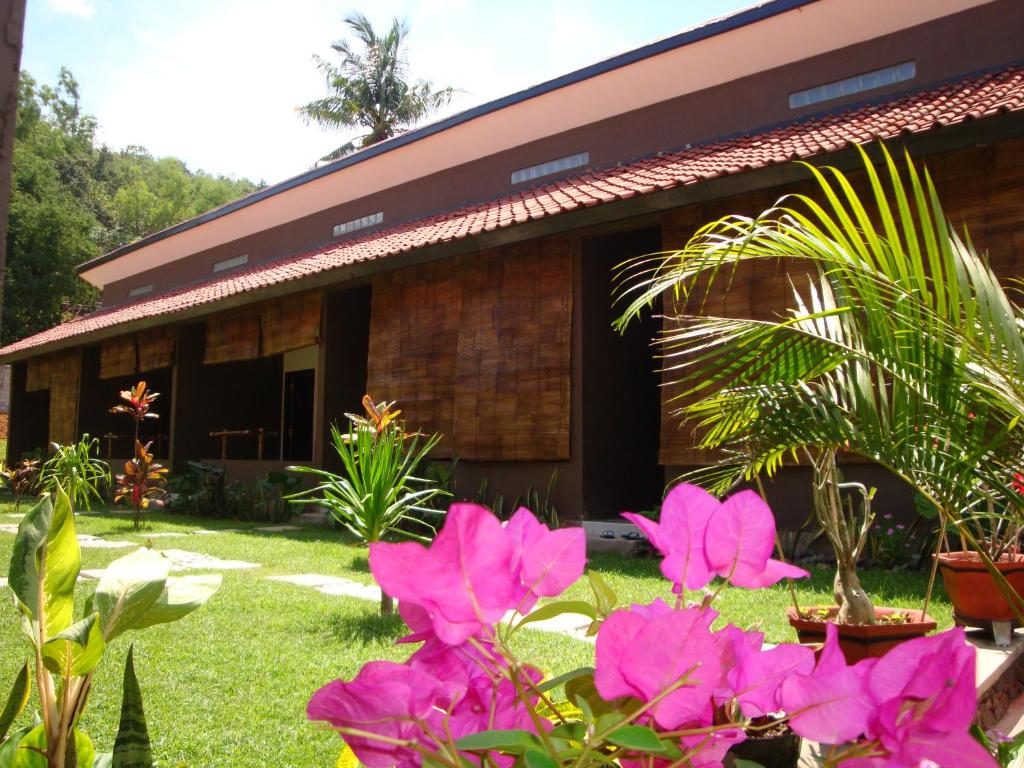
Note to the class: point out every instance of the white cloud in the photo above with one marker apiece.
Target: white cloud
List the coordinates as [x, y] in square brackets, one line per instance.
[82, 8]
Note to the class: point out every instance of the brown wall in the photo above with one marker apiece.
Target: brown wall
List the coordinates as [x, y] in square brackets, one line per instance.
[970, 41]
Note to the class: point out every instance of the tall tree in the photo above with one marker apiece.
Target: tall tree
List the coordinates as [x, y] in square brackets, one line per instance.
[372, 89]
[13, 21]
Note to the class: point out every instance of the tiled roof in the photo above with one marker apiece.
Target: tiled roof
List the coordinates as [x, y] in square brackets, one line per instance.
[950, 104]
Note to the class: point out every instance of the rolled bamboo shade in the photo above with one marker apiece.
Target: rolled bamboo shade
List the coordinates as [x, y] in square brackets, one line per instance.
[118, 357]
[232, 336]
[290, 322]
[63, 428]
[156, 348]
[38, 373]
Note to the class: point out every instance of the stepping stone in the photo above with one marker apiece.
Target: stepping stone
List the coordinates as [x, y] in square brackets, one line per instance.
[15, 515]
[332, 585]
[204, 532]
[182, 560]
[165, 535]
[92, 573]
[8, 528]
[3, 582]
[278, 528]
[94, 542]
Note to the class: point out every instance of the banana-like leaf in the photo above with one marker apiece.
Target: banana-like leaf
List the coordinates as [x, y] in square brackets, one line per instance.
[16, 700]
[181, 596]
[30, 749]
[77, 650]
[9, 748]
[129, 588]
[45, 564]
[131, 746]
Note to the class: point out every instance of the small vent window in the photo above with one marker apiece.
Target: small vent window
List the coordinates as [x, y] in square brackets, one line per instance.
[371, 220]
[140, 290]
[550, 167]
[234, 261]
[868, 81]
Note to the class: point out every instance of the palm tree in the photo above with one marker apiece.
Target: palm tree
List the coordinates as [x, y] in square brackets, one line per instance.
[371, 89]
[901, 347]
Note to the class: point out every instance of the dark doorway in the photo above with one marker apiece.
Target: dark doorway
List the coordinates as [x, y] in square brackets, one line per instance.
[621, 393]
[298, 415]
[347, 344]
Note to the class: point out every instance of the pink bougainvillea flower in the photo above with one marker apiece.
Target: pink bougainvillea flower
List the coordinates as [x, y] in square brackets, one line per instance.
[680, 534]
[384, 699]
[545, 562]
[701, 537]
[831, 704]
[738, 543]
[753, 675]
[464, 580]
[924, 693]
[642, 657]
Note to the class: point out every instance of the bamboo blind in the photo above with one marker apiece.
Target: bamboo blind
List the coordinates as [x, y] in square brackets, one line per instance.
[512, 384]
[414, 326]
[290, 322]
[231, 336]
[39, 373]
[117, 357]
[156, 347]
[63, 428]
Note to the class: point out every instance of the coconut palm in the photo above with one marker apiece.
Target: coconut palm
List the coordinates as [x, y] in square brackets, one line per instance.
[901, 346]
[371, 89]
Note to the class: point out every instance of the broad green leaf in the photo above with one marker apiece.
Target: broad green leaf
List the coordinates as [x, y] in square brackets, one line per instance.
[16, 700]
[29, 753]
[131, 746]
[551, 610]
[347, 759]
[570, 731]
[512, 742]
[181, 596]
[636, 738]
[554, 682]
[534, 758]
[583, 688]
[606, 597]
[9, 748]
[45, 563]
[77, 650]
[128, 589]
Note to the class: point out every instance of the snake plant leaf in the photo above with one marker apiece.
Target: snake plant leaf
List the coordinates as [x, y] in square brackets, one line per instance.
[77, 650]
[29, 752]
[181, 596]
[131, 746]
[16, 699]
[45, 564]
[130, 586]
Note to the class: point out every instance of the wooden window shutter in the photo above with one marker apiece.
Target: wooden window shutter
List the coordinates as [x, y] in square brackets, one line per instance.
[63, 427]
[290, 322]
[118, 357]
[232, 336]
[156, 348]
[414, 334]
[513, 377]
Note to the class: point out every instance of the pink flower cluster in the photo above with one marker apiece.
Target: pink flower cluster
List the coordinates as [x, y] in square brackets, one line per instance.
[664, 667]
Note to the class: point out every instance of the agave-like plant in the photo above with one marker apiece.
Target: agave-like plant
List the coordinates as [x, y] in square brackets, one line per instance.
[81, 474]
[380, 487]
[901, 345]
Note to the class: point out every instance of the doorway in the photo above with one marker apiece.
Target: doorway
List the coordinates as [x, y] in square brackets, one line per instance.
[298, 415]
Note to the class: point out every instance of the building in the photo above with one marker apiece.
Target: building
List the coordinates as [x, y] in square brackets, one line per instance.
[465, 269]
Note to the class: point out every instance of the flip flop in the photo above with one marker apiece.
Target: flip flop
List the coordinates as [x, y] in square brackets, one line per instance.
[607, 534]
[634, 536]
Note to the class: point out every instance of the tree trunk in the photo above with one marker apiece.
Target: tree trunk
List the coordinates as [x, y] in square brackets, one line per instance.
[855, 607]
[387, 604]
[12, 19]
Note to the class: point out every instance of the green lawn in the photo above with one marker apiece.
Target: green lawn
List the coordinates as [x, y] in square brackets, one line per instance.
[228, 685]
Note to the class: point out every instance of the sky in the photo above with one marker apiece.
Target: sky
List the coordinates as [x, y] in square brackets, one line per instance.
[216, 82]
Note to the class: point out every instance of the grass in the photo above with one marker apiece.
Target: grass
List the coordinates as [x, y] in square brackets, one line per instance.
[228, 685]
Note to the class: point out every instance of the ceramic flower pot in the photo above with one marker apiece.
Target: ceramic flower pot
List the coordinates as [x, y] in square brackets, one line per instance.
[977, 601]
[862, 641]
[779, 749]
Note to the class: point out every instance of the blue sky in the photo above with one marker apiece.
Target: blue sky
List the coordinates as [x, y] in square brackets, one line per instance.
[215, 82]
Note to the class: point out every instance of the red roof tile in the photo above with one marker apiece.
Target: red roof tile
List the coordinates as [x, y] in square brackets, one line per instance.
[958, 102]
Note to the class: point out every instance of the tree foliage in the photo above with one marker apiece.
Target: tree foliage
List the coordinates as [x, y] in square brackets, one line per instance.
[72, 199]
[371, 90]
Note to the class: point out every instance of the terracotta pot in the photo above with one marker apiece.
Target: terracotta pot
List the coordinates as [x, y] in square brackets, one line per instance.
[862, 641]
[977, 601]
[782, 751]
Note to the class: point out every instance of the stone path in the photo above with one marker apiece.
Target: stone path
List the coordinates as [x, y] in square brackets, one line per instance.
[8, 528]
[182, 560]
[278, 528]
[3, 582]
[88, 541]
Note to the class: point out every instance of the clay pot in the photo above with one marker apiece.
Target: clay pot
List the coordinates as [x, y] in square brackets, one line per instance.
[863, 641]
[977, 601]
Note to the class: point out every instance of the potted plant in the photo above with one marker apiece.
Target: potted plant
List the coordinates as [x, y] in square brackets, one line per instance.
[898, 346]
[977, 600]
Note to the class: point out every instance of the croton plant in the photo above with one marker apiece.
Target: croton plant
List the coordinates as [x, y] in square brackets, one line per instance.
[141, 485]
[671, 687]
